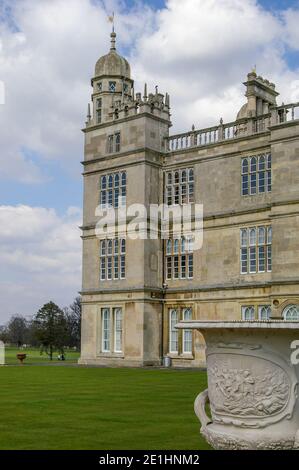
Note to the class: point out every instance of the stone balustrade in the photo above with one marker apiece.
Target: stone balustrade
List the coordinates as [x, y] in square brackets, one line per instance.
[240, 128]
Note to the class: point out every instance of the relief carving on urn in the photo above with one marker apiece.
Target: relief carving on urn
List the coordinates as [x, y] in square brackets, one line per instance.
[260, 389]
[252, 385]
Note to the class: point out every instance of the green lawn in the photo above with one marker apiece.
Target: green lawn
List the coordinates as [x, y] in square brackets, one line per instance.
[98, 408]
[34, 356]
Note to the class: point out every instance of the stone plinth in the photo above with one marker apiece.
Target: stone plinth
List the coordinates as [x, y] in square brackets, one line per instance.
[252, 385]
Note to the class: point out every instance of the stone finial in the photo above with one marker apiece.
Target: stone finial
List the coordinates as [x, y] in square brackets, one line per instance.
[156, 88]
[167, 101]
[145, 92]
[221, 121]
[88, 117]
[193, 127]
[113, 41]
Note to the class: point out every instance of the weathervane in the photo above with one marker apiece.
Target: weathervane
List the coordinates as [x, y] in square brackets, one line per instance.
[111, 20]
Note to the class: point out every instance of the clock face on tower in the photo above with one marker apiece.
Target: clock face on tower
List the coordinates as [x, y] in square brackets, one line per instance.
[112, 87]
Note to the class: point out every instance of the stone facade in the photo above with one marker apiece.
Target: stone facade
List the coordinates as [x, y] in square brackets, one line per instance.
[126, 321]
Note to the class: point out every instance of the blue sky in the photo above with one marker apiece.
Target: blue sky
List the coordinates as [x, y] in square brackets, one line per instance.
[61, 186]
[47, 53]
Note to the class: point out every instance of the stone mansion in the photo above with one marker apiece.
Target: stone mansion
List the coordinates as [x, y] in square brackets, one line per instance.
[246, 175]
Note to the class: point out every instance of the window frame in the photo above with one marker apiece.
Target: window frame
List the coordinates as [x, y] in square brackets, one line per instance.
[255, 256]
[178, 259]
[173, 331]
[113, 144]
[108, 257]
[104, 349]
[118, 311]
[179, 186]
[260, 312]
[244, 309]
[114, 194]
[289, 309]
[254, 170]
[187, 331]
[110, 85]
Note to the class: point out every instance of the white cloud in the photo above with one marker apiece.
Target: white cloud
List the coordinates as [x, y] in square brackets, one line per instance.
[40, 258]
[201, 52]
[46, 67]
[198, 51]
[291, 18]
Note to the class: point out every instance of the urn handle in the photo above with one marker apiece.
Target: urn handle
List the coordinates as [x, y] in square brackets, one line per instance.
[200, 408]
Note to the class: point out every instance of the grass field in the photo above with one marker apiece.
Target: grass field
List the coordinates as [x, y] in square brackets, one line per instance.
[34, 356]
[97, 408]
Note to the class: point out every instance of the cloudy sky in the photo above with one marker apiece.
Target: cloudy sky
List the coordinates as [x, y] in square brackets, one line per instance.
[198, 50]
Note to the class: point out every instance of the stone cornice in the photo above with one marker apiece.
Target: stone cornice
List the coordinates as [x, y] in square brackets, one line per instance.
[114, 156]
[264, 208]
[190, 289]
[126, 119]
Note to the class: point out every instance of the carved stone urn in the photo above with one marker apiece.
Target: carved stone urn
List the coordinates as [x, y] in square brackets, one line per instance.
[252, 384]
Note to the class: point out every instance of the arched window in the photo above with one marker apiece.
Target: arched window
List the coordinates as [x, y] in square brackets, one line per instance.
[244, 237]
[168, 247]
[291, 313]
[103, 182]
[256, 249]
[245, 177]
[253, 165]
[248, 313]
[261, 163]
[252, 237]
[118, 329]
[262, 236]
[117, 142]
[173, 333]
[269, 235]
[269, 161]
[109, 247]
[116, 180]
[123, 179]
[99, 110]
[264, 312]
[261, 175]
[176, 246]
[103, 247]
[179, 187]
[105, 330]
[244, 166]
[187, 334]
[256, 175]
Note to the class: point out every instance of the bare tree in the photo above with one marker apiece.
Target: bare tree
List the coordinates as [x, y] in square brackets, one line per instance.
[73, 319]
[17, 330]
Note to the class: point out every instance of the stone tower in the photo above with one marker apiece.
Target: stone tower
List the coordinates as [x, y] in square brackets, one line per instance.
[246, 175]
[122, 276]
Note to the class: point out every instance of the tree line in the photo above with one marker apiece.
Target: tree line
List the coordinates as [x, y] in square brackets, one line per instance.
[51, 328]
